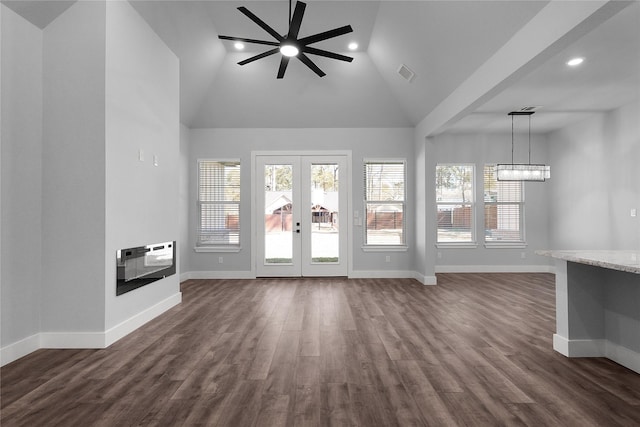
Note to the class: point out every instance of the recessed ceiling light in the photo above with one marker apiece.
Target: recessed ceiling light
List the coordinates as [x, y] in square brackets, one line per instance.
[238, 46]
[575, 62]
[353, 46]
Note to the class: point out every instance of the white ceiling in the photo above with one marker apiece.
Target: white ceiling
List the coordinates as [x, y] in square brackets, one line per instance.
[444, 42]
[608, 78]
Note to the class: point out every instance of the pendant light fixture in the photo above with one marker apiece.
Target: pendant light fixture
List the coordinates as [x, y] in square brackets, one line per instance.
[522, 171]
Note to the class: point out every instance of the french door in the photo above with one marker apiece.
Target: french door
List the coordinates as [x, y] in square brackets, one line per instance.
[301, 215]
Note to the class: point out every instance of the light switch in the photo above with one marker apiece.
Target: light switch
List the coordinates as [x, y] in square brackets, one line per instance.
[634, 212]
[141, 155]
[155, 160]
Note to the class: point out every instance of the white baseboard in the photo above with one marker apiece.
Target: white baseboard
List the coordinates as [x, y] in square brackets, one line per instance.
[579, 348]
[425, 280]
[131, 324]
[19, 349]
[494, 269]
[85, 339]
[72, 340]
[382, 274]
[597, 348]
[217, 275]
[623, 356]
[359, 274]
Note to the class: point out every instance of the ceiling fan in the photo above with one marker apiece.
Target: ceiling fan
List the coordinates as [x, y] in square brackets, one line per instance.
[290, 45]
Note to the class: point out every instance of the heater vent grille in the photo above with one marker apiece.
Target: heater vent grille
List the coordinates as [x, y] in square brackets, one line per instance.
[406, 73]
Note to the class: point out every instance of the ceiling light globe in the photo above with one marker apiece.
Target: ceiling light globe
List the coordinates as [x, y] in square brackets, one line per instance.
[238, 46]
[289, 50]
[353, 46]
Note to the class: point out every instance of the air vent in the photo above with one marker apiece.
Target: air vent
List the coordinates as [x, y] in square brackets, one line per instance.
[406, 73]
[530, 108]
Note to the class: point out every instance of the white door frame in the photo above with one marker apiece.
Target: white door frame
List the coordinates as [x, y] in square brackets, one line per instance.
[254, 206]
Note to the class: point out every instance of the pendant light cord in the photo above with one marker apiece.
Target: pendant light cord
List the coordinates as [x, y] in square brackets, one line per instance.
[529, 139]
[512, 139]
[289, 14]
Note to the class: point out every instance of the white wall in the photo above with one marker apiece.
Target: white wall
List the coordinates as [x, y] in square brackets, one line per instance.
[184, 204]
[142, 113]
[364, 143]
[21, 126]
[79, 99]
[73, 171]
[596, 182]
[424, 252]
[481, 149]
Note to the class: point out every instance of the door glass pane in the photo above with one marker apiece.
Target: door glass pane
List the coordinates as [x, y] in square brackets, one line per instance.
[278, 212]
[324, 213]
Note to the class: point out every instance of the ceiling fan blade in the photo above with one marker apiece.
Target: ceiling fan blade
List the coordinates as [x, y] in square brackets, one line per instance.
[241, 39]
[296, 21]
[326, 54]
[260, 56]
[309, 63]
[261, 23]
[283, 66]
[325, 35]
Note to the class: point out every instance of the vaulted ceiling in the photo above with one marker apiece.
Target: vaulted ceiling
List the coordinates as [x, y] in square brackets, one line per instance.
[448, 44]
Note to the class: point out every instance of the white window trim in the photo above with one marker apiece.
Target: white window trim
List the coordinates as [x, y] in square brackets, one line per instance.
[457, 245]
[385, 248]
[507, 245]
[470, 244]
[212, 248]
[401, 247]
[231, 248]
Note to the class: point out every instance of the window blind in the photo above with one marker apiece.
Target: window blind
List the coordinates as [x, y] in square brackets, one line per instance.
[503, 208]
[455, 203]
[219, 203]
[384, 194]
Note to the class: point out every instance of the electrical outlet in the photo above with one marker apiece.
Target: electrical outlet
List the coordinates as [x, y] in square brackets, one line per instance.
[220, 260]
[634, 212]
[388, 258]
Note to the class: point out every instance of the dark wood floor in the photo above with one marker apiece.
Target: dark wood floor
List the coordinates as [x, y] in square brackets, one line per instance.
[474, 350]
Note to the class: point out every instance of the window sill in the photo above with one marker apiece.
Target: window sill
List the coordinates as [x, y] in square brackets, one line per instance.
[205, 249]
[382, 248]
[466, 245]
[505, 245]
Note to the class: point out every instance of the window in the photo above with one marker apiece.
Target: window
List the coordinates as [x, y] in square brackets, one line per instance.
[384, 194]
[455, 203]
[218, 203]
[503, 209]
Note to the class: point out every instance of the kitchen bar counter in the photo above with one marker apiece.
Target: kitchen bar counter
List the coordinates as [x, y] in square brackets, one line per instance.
[598, 305]
[628, 261]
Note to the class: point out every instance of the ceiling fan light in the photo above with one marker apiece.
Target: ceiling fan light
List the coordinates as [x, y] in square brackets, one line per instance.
[289, 50]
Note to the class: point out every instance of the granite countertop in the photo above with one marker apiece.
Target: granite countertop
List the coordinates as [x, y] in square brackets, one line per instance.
[628, 261]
